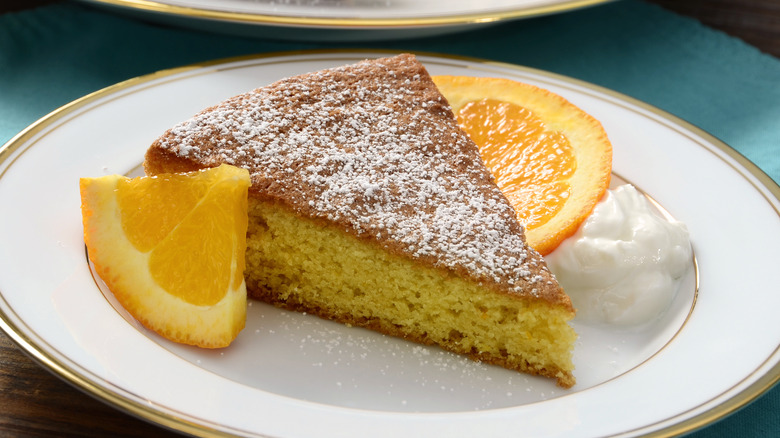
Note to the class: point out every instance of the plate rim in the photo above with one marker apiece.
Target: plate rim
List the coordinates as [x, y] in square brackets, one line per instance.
[767, 378]
[153, 6]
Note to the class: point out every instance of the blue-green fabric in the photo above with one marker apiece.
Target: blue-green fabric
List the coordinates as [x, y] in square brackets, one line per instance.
[55, 54]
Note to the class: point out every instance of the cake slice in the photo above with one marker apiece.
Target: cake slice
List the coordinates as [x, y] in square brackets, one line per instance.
[371, 207]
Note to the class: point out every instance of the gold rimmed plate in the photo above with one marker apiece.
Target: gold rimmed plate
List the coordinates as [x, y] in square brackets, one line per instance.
[291, 374]
[338, 20]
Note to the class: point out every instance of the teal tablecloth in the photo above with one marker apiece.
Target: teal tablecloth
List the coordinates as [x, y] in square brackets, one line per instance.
[58, 53]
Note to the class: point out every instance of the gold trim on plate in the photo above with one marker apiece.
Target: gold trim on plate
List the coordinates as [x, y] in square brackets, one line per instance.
[55, 361]
[344, 22]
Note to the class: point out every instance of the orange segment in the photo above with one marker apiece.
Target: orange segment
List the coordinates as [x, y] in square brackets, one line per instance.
[152, 207]
[171, 249]
[540, 169]
[552, 160]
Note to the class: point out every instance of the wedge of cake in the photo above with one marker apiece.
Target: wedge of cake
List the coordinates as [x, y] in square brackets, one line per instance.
[370, 206]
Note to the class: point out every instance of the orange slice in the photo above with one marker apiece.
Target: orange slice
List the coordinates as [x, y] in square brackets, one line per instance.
[171, 249]
[552, 160]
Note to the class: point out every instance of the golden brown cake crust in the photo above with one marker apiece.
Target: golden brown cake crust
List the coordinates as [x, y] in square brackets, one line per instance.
[373, 149]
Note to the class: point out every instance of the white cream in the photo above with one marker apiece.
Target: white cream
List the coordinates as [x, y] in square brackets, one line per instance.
[624, 264]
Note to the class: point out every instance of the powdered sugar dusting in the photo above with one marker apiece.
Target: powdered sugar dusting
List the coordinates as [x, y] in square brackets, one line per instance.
[374, 148]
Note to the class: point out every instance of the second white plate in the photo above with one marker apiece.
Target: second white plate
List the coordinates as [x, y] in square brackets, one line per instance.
[338, 20]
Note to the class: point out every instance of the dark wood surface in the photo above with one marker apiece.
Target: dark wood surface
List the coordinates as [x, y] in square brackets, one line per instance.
[33, 402]
[757, 22]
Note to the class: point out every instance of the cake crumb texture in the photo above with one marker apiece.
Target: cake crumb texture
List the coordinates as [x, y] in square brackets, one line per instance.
[300, 265]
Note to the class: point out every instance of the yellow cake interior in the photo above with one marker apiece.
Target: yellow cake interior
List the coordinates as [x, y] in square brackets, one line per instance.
[299, 264]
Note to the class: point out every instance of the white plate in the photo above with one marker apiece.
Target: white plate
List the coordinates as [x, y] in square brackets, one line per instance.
[338, 20]
[296, 375]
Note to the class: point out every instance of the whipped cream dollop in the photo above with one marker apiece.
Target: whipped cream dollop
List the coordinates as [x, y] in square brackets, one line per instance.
[624, 264]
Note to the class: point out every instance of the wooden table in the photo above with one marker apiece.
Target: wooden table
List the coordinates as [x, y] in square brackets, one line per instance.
[65, 411]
